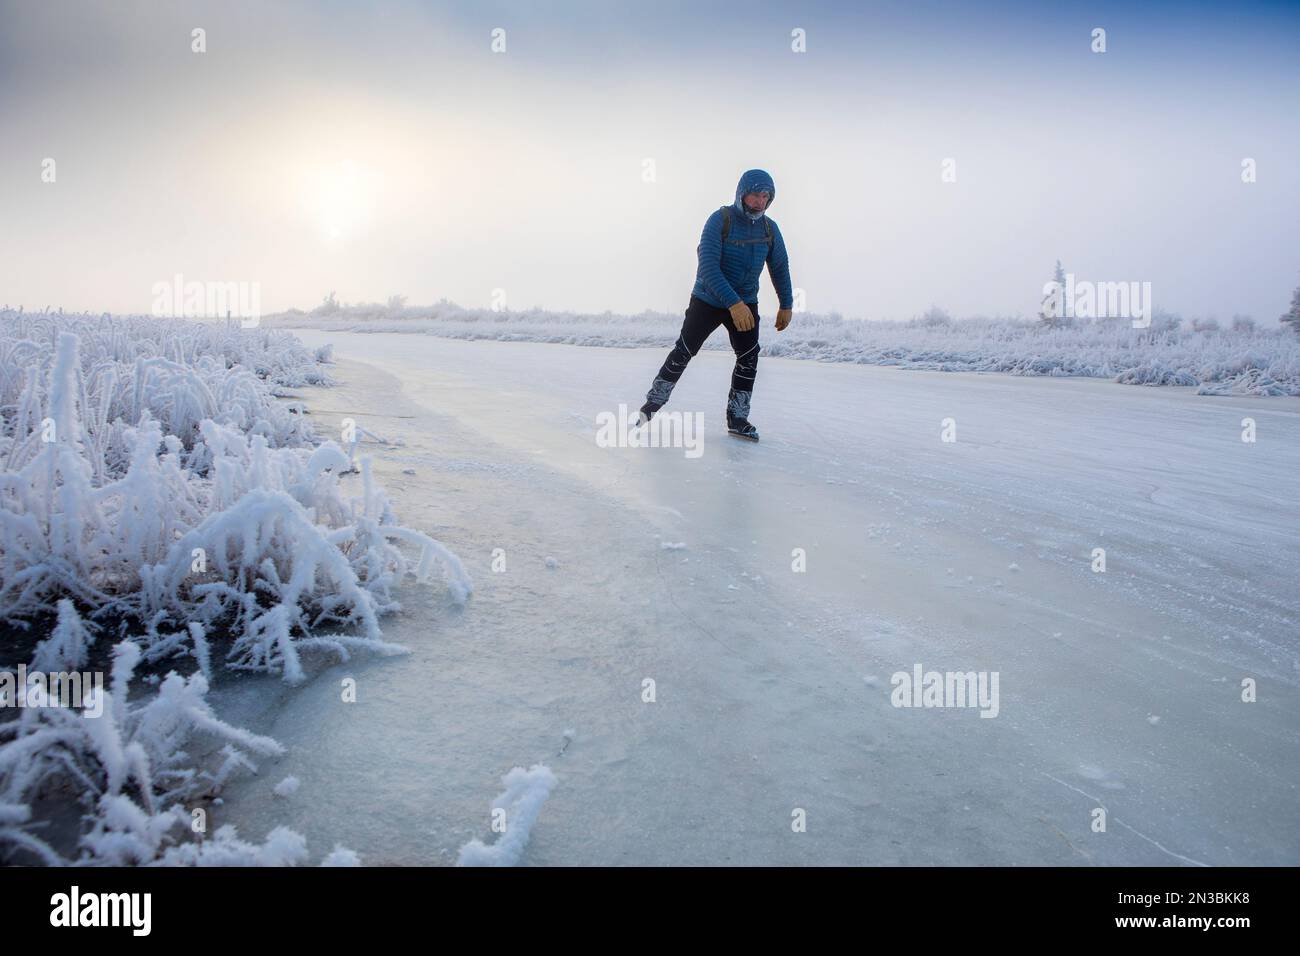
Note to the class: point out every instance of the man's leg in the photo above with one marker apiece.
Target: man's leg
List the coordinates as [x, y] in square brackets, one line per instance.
[701, 321]
[745, 345]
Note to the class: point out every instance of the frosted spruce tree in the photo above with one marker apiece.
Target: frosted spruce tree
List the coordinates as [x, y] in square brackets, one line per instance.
[1292, 316]
[1052, 312]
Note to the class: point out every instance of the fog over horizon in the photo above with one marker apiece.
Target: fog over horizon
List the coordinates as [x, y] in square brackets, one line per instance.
[381, 149]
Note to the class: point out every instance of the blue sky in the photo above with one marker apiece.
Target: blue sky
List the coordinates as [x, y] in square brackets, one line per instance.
[378, 149]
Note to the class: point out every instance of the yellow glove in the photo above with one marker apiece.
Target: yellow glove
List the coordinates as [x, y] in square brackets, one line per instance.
[741, 315]
[782, 319]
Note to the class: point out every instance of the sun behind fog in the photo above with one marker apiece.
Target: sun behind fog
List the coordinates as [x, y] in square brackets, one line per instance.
[340, 199]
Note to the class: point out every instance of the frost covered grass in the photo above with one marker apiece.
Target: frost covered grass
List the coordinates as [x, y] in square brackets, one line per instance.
[155, 494]
[1242, 359]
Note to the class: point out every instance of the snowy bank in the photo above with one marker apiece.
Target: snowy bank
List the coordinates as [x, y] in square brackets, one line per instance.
[154, 491]
[1242, 359]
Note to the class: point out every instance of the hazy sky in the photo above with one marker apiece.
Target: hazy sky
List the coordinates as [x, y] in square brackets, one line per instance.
[382, 148]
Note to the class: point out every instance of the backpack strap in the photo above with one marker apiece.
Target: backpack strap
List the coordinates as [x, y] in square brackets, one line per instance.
[726, 227]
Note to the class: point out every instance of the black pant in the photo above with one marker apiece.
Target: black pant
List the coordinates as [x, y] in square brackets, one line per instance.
[702, 320]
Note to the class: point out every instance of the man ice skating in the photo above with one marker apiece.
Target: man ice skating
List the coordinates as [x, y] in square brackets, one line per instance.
[737, 241]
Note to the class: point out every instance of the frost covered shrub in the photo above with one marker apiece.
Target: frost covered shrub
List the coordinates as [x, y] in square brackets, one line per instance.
[1162, 321]
[220, 528]
[328, 306]
[133, 779]
[935, 317]
[128, 765]
[179, 372]
[150, 483]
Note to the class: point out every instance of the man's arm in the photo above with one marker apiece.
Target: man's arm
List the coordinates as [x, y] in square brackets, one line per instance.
[710, 253]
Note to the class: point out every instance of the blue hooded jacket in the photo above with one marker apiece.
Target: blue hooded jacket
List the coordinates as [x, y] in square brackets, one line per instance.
[729, 275]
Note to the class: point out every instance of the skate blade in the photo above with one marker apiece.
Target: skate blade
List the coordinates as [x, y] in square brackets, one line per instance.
[753, 438]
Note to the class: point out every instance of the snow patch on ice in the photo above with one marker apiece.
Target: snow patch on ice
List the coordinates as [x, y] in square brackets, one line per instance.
[525, 792]
[341, 856]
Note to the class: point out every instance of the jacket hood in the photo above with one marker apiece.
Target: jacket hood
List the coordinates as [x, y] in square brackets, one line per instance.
[753, 181]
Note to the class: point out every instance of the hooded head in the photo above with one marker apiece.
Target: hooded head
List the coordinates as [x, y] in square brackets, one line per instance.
[755, 181]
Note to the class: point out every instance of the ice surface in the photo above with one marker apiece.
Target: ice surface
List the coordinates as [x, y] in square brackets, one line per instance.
[771, 687]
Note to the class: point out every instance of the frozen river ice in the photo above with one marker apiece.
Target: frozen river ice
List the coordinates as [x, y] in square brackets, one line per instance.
[772, 687]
